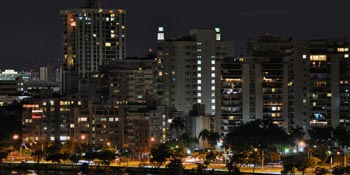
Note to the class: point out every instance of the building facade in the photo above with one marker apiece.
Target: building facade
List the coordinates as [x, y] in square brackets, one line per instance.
[90, 37]
[187, 68]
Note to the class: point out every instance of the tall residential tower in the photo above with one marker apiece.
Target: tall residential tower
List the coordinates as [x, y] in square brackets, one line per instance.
[187, 68]
[90, 37]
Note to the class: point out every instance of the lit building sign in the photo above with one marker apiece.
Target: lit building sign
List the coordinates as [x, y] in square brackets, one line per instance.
[30, 106]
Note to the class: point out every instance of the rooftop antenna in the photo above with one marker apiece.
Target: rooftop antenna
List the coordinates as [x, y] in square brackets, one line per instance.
[94, 4]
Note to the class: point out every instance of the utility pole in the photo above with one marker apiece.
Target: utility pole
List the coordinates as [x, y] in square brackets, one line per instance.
[262, 160]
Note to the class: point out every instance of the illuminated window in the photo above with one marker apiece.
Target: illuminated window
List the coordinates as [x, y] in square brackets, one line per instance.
[199, 75]
[213, 107]
[212, 61]
[213, 88]
[329, 94]
[343, 49]
[212, 100]
[108, 44]
[213, 94]
[304, 56]
[199, 101]
[212, 81]
[199, 43]
[199, 88]
[199, 81]
[213, 68]
[199, 94]
[218, 37]
[273, 90]
[213, 75]
[346, 56]
[199, 61]
[73, 24]
[161, 29]
[199, 56]
[318, 57]
[304, 100]
[199, 68]
[274, 108]
[199, 50]
[217, 30]
[314, 104]
[83, 119]
[160, 36]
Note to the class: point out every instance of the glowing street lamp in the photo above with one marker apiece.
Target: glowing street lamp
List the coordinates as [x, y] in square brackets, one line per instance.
[301, 146]
[15, 137]
[83, 137]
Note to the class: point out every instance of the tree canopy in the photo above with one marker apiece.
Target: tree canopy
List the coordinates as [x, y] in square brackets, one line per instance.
[259, 133]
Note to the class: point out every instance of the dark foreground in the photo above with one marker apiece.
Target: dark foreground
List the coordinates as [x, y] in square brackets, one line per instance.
[68, 169]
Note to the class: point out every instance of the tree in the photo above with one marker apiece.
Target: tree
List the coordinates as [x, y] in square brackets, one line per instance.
[186, 141]
[160, 154]
[204, 135]
[106, 156]
[321, 135]
[213, 139]
[297, 132]
[235, 162]
[3, 155]
[178, 124]
[54, 153]
[72, 150]
[261, 134]
[342, 135]
[298, 161]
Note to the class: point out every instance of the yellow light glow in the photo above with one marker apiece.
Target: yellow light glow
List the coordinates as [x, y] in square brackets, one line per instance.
[318, 57]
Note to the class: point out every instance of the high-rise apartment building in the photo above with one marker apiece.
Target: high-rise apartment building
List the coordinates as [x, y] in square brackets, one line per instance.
[131, 81]
[252, 88]
[292, 83]
[90, 37]
[325, 75]
[187, 68]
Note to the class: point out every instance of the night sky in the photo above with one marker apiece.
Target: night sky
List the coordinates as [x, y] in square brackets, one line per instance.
[30, 28]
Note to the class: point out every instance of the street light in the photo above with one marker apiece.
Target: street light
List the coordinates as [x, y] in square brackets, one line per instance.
[15, 137]
[262, 158]
[344, 156]
[83, 137]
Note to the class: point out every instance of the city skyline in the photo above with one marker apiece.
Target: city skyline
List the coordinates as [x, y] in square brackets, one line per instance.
[40, 41]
